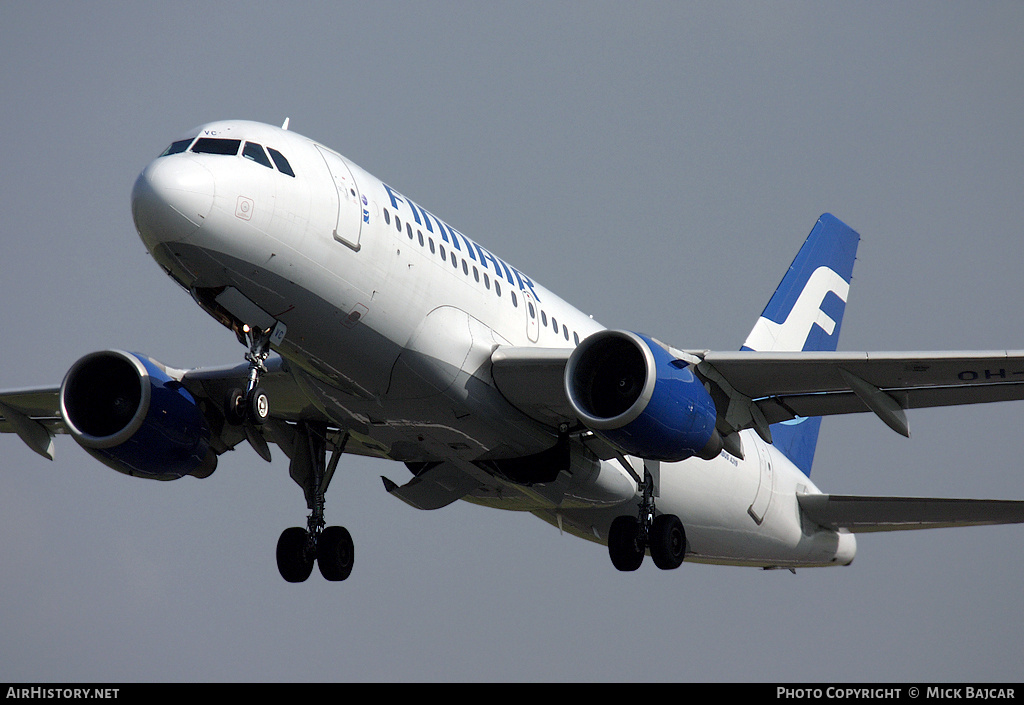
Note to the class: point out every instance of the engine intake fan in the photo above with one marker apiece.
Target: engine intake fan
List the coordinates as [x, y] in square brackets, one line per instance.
[629, 390]
[128, 413]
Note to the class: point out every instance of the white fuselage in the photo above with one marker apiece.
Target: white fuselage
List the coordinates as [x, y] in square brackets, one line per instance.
[392, 316]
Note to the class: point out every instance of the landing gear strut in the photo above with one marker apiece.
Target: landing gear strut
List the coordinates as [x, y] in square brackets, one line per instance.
[629, 537]
[330, 547]
[253, 405]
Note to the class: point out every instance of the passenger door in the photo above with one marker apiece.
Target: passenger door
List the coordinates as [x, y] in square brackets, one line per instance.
[349, 220]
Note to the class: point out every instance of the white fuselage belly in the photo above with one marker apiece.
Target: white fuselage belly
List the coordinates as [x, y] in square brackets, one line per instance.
[390, 317]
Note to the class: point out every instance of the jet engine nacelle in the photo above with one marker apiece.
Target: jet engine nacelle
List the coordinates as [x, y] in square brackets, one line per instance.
[129, 414]
[629, 390]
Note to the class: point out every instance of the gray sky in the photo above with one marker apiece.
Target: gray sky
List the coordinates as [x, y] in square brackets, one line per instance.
[658, 164]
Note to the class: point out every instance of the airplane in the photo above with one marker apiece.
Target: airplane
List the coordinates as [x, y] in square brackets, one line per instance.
[373, 327]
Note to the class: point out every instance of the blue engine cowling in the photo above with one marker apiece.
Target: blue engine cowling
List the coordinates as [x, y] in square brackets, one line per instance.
[629, 390]
[129, 414]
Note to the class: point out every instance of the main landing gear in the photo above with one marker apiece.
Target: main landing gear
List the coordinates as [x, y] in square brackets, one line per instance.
[629, 537]
[330, 547]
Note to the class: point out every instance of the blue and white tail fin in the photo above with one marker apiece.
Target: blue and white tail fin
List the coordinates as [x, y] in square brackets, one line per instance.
[805, 313]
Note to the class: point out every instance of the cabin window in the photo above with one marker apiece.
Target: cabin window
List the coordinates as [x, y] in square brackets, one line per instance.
[387, 217]
[576, 337]
[533, 314]
[444, 255]
[544, 319]
[177, 147]
[255, 152]
[465, 268]
[211, 145]
[565, 332]
[515, 301]
[282, 164]
[497, 288]
[487, 281]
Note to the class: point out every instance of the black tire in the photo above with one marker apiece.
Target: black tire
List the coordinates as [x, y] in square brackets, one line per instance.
[623, 543]
[335, 553]
[257, 407]
[667, 542]
[234, 407]
[294, 561]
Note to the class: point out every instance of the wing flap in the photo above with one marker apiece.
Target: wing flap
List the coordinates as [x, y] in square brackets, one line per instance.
[786, 407]
[859, 514]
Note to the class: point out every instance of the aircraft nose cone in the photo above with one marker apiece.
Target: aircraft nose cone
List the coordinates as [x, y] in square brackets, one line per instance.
[171, 199]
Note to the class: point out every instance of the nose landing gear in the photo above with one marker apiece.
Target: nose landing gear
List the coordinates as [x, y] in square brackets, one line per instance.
[253, 405]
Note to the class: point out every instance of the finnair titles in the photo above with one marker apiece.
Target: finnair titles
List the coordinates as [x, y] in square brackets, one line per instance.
[425, 219]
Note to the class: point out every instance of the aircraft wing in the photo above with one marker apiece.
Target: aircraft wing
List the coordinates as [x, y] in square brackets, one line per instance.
[756, 389]
[788, 385]
[532, 379]
[34, 414]
[865, 514]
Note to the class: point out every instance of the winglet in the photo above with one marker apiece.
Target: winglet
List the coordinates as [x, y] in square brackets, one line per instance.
[806, 313]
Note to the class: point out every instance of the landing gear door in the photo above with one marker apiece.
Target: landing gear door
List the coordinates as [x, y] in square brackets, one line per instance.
[349, 220]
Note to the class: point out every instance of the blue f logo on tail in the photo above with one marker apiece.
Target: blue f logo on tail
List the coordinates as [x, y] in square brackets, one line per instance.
[805, 313]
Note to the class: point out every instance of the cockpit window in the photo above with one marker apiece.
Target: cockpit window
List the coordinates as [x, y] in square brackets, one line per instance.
[211, 145]
[255, 152]
[177, 147]
[282, 164]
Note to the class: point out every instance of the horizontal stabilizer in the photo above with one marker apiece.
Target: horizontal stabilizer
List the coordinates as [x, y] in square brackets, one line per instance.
[864, 514]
